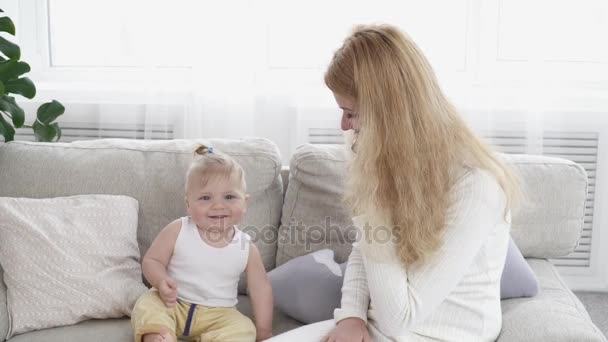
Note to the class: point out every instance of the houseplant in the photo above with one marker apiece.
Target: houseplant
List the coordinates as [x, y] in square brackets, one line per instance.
[11, 82]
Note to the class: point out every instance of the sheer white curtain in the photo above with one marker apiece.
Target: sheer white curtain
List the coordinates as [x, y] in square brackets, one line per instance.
[531, 77]
[185, 68]
[242, 67]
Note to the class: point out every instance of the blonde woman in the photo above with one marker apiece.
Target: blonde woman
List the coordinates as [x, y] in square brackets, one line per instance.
[418, 170]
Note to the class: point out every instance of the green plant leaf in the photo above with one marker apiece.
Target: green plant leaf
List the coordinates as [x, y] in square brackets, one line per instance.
[22, 86]
[8, 105]
[1, 87]
[6, 129]
[49, 111]
[44, 132]
[11, 69]
[6, 25]
[10, 49]
[57, 129]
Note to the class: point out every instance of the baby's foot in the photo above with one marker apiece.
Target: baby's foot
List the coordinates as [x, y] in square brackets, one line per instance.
[163, 336]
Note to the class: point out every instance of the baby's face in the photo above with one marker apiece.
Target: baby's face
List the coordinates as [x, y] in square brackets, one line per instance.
[219, 204]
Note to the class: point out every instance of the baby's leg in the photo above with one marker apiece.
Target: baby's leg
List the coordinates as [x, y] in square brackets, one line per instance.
[226, 325]
[163, 336]
[152, 320]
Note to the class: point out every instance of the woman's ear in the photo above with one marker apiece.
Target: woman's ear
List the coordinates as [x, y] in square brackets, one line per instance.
[187, 203]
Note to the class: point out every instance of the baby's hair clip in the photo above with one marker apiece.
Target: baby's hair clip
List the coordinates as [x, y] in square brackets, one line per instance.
[210, 150]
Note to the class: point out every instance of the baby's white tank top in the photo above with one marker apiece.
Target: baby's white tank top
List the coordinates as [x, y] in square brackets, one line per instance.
[204, 274]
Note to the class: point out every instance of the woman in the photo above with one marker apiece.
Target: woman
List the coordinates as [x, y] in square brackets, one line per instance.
[420, 171]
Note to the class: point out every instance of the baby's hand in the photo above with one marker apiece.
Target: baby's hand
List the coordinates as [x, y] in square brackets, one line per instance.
[168, 291]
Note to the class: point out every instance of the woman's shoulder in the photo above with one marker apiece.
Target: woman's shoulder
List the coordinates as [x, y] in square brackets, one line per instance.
[477, 201]
[466, 175]
[473, 182]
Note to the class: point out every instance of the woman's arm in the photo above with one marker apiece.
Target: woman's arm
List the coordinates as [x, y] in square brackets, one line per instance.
[400, 298]
[355, 295]
[260, 293]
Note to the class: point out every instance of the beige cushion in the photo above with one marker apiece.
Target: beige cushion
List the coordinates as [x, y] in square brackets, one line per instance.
[548, 224]
[152, 172]
[314, 216]
[68, 259]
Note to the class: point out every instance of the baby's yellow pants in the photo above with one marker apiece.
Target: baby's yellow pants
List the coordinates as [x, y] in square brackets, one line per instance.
[191, 322]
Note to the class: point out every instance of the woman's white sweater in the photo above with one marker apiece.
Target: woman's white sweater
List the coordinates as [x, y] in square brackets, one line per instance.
[455, 295]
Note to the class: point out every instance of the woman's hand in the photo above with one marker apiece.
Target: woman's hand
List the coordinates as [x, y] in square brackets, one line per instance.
[349, 330]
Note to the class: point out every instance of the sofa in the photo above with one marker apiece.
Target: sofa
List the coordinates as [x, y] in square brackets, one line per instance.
[287, 207]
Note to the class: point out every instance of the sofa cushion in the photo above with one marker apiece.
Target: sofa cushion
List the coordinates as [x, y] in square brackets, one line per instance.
[150, 171]
[547, 225]
[120, 330]
[314, 216]
[549, 222]
[518, 279]
[308, 288]
[104, 330]
[554, 315]
[3, 308]
[48, 259]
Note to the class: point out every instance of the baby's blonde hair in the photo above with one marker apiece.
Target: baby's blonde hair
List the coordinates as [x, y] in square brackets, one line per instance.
[410, 138]
[209, 164]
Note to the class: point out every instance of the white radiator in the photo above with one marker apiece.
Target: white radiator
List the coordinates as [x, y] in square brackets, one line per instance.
[71, 131]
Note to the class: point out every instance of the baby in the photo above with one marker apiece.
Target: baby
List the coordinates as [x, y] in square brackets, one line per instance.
[195, 262]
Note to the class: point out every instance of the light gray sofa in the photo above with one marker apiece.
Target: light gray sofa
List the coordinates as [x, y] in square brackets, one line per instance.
[291, 220]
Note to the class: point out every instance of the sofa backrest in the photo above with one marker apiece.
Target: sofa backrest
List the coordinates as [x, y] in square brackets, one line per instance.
[153, 172]
[312, 215]
[547, 224]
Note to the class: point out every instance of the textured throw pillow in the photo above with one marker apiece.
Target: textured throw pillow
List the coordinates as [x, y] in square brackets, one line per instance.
[68, 259]
[518, 279]
[308, 288]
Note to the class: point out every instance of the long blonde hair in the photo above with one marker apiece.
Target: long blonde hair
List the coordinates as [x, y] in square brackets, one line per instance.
[410, 138]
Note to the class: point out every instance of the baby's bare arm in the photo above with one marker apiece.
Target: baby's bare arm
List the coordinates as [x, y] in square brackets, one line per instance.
[260, 293]
[154, 264]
